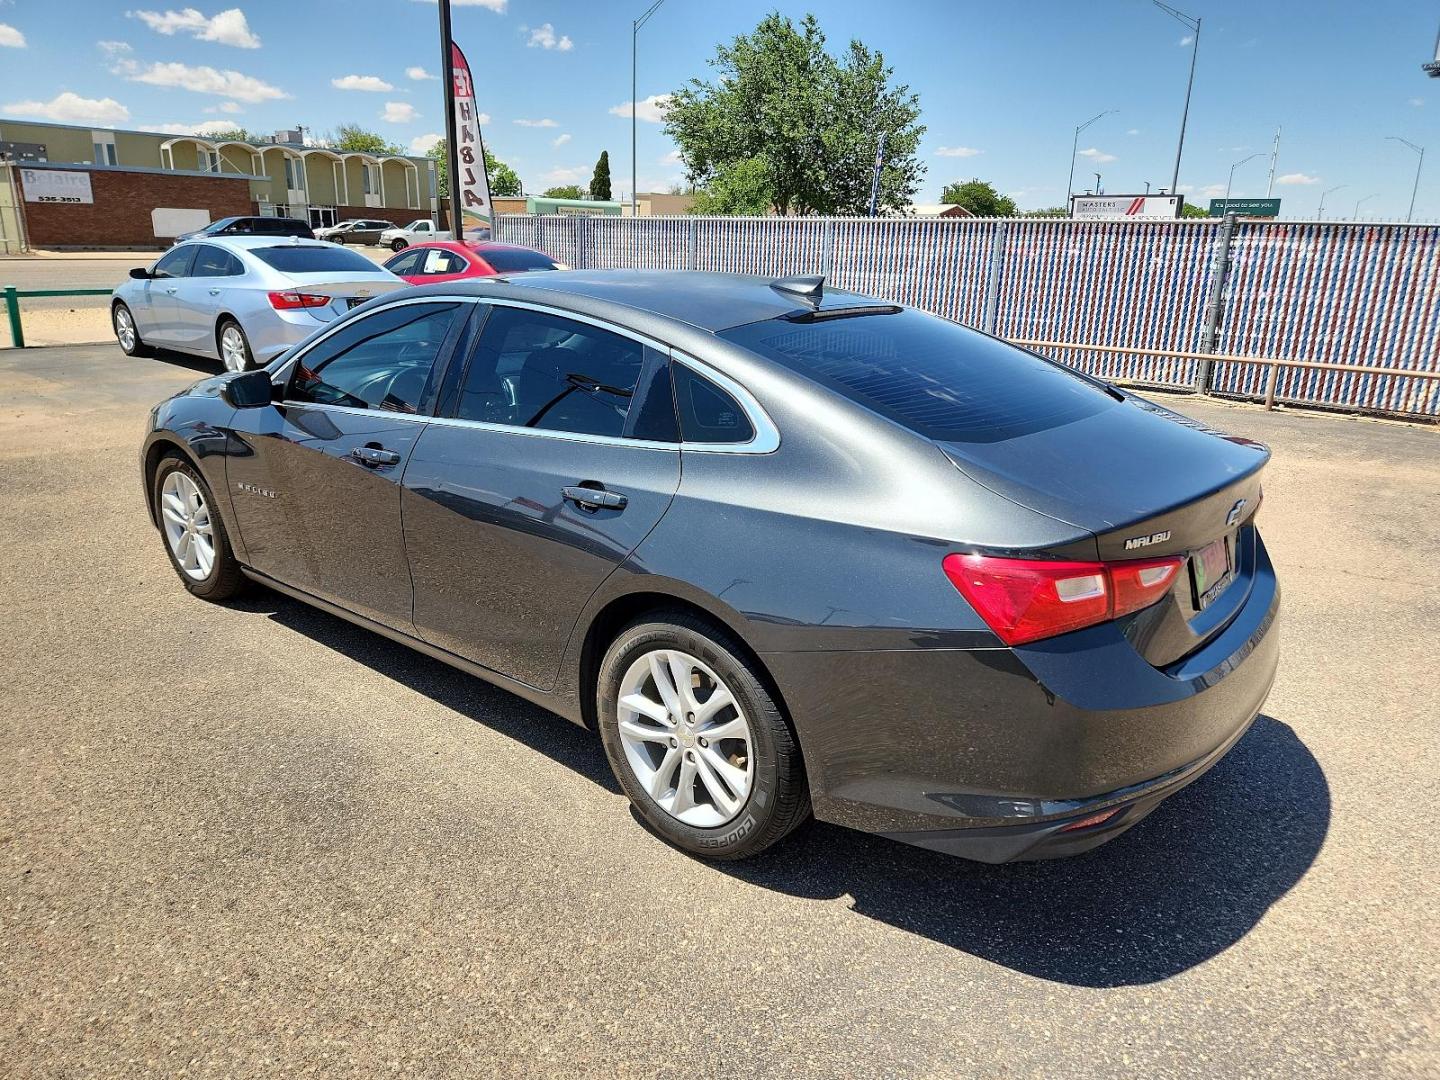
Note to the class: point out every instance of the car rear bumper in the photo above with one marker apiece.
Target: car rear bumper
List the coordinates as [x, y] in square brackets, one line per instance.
[990, 753]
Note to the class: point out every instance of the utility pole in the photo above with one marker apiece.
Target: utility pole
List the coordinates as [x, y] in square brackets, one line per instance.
[1075, 149]
[1418, 166]
[452, 149]
[1356, 216]
[875, 178]
[1194, 27]
[1098, 189]
[1237, 164]
[1321, 212]
[634, 104]
[1274, 153]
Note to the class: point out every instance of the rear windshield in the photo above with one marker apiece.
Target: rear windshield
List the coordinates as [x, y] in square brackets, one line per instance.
[935, 377]
[514, 260]
[314, 259]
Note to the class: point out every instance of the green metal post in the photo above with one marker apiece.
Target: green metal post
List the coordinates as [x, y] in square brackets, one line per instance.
[12, 308]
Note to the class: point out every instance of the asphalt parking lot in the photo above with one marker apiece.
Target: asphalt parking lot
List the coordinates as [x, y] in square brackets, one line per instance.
[254, 840]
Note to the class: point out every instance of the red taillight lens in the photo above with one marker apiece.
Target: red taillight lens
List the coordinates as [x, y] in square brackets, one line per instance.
[1028, 599]
[288, 301]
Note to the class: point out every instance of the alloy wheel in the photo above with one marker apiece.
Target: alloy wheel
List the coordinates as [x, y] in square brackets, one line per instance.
[125, 328]
[188, 529]
[232, 348]
[686, 739]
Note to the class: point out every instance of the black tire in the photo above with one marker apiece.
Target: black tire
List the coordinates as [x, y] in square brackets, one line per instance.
[779, 797]
[139, 348]
[220, 329]
[338, 238]
[398, 245]
[225, 579]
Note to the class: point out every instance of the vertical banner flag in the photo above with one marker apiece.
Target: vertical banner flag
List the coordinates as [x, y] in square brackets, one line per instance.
[476, 216]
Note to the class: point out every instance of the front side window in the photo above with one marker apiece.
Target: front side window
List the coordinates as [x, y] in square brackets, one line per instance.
[237, 227]
[383, 361]
[212, 261]
[421, 226]
[406, 265]
[176, 263]
[534, 369]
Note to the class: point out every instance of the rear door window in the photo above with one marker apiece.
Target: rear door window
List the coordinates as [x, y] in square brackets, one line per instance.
[314, 259]
[935, 377]
[442, 261]
[216, 262]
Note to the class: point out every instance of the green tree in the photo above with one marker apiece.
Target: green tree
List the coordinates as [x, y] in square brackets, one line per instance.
[354, 138]
[743, 188]
[565, 191]
[980, 198]
[238, 134]
[503, 179]
[812, 119]
[1193, 210]
[600, 182]
[1049, 211]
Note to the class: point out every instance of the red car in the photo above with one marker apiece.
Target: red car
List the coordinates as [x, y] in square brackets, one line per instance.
[451, 260]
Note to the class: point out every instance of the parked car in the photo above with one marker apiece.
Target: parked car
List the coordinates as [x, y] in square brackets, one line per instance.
[399, 238]
[784, 548]
[453, 260]
[241, 299]
[252, 226]
[358, 231]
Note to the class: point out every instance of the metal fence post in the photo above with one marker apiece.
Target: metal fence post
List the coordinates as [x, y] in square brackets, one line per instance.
[690, 244]
[827, 249]
[12, 308]
[992, 279]
[582, 241]
[1215, 302]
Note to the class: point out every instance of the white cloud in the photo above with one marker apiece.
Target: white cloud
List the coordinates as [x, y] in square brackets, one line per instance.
[574, 175]
[497, 6]
[545, 123]
[672, 158]
[1297, 178]
[113, 49]
[1099, 157]
[225, 28]
[1132, 131]
[68, 108]
[10, 37]
[560, 140]
[957, 151]
[200, 80]
[1186, 40]
[209, 127]
[419, 73]
[1416, 101]
[231, 107]
[423, 144]
[543, 37]
[651, 110]
[1213, 190]
[399, 112]
[372, 83]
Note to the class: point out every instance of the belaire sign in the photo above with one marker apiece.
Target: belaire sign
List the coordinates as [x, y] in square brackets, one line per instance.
[56, 186]
[476, 215]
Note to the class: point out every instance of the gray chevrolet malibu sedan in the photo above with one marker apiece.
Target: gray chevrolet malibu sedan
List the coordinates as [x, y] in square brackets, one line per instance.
[789, 551]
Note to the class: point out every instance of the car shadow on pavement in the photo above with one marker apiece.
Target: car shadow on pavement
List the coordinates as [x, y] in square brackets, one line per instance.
[1182, 886]
[1179, 888]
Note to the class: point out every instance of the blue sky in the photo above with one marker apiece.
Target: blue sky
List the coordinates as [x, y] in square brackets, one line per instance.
[1001, 85]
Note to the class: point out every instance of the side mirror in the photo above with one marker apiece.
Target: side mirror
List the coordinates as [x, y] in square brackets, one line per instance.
[140, 273]
[248, 390]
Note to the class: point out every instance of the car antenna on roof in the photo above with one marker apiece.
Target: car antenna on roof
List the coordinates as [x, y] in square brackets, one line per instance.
[809, 289]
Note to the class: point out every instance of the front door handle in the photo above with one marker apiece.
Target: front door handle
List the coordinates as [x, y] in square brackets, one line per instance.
[172, 292]
[375, 457]
[588, 498]
[214, 292]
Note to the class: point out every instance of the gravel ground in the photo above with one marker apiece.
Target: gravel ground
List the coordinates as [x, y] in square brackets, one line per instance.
[255, 841]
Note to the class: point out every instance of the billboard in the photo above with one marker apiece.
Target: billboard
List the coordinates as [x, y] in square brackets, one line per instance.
[1125, 207]
[1245, 207]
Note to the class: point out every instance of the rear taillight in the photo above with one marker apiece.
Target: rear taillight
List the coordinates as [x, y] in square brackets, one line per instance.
[1028, 599]
[288, 301]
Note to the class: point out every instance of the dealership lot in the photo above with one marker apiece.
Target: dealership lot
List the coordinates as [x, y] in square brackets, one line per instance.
[254, 839]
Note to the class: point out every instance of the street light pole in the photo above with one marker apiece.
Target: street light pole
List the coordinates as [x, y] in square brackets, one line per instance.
[1098, 189]
[1356, 216]
[634, 104]
[1075, 149]
[1194, 27]
[1418, 166]
[1321, 212]
[1237, 164]
[452, 148]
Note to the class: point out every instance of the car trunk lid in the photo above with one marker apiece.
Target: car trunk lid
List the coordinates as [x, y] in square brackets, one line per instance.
[346, 292]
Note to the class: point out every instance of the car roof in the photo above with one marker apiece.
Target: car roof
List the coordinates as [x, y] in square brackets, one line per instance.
[710, 301]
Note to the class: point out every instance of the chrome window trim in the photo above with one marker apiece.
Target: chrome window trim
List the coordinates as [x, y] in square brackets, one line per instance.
[766, 439]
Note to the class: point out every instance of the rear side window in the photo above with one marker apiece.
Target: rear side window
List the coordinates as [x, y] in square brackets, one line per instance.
[441, 261]
[216, 262]
[707, 413]
[933, 376]
[516, 260]
[314, 259]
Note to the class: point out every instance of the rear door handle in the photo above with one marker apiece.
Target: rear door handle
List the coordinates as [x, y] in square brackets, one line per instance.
[375, 457]
[214, 292]
[172, 292]
[588, 498]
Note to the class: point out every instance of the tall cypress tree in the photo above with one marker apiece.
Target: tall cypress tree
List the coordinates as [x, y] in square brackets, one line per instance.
[600, 182]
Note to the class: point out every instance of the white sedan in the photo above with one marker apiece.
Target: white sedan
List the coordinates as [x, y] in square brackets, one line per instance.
[241, 299]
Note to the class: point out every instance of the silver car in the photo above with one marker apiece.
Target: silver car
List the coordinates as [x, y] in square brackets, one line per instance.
[241, 299]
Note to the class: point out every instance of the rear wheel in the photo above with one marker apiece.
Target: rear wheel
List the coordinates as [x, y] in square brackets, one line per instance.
[234, 346]
[127, 333]
[697, 741]
[195, 537]
[398, 245]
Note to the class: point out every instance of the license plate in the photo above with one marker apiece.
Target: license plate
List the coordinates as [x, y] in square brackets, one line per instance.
[1210, 571]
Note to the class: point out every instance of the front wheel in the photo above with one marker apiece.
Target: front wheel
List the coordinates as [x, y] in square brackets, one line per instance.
[235, 347]
[127, 333]
[195, 537]
[697, 741]
[398, 245]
